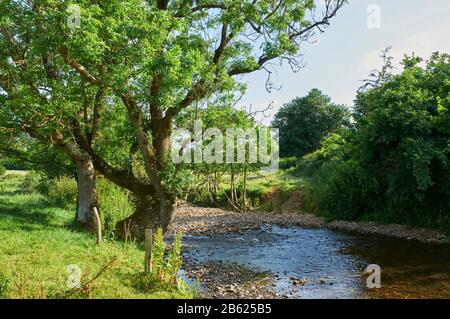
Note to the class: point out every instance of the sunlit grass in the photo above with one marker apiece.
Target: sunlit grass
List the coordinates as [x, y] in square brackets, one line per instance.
[283, 180]
[38, 242]
[260, 185]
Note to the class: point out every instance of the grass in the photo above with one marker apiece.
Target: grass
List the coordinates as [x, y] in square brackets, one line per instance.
[283, 180]
[272, 190]
[38, 243]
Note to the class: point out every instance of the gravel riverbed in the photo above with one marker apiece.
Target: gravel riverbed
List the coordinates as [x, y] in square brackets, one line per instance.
[212, 221]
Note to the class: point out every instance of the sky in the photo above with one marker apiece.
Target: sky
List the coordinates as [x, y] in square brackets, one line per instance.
[345, 54]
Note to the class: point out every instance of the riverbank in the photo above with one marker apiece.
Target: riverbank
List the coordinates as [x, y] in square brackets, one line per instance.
[230, 281]
[212, 221]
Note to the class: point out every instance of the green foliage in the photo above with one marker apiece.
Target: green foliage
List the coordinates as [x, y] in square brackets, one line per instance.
[340, 190]
[2, 170]
[35, 181]
[178, 179]
[115, 205]
[289, 162]
[22, 152]
[333, 148]
[138, 55]
[62, 191]
[166, 264]
[305, 121]
[395, 166]
[210, 184]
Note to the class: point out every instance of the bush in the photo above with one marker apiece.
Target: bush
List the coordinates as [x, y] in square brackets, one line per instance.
[348, 191]
[62, 191]
[115, 205]
[289, 162]
[334, 148]
[340, 190]
[35, 182]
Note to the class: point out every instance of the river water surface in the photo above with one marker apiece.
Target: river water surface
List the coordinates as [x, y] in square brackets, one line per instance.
[332, 263]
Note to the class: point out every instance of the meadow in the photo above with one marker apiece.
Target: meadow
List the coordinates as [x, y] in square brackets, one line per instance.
[38, 243]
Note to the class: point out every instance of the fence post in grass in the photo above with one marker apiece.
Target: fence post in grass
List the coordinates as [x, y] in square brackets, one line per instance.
[148, 250]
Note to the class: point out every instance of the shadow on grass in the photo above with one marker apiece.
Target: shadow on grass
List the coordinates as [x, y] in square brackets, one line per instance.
[12, 193]
[29, 214]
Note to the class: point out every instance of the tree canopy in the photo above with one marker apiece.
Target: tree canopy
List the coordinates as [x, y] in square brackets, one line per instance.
[395, 165]
[305, 122]
[59, 81]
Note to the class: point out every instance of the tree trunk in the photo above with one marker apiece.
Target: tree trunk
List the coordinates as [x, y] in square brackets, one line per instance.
[87, 202]
[150, 213]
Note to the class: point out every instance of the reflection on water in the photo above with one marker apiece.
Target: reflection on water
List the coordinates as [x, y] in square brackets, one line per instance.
[332, 263]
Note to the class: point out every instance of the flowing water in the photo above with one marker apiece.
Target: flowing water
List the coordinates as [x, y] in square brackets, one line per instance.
[332, 263]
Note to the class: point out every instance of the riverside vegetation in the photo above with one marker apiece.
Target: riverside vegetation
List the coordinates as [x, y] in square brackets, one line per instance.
[88, 115]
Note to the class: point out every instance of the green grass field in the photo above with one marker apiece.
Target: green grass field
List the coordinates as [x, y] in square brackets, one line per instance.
[38, 243]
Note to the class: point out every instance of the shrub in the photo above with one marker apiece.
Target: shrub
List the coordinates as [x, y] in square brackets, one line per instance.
[334, 148]
[35, 182]
[340, 190]
[62, 191]
[289, 162]
[115, 205]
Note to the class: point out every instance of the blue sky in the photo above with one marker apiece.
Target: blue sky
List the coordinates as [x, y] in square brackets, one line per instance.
[349, 50]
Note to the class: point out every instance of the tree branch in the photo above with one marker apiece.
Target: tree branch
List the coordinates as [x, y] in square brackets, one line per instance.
[142, 139]
[77, 66]
[98, 107]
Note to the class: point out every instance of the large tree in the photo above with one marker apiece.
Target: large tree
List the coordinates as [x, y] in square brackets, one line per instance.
[306, 121]
[153, 58]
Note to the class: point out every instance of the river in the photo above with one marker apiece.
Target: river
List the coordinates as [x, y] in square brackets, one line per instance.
[331, 264]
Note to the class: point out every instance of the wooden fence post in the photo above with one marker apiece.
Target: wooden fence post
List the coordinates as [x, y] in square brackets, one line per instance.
[148, 250]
